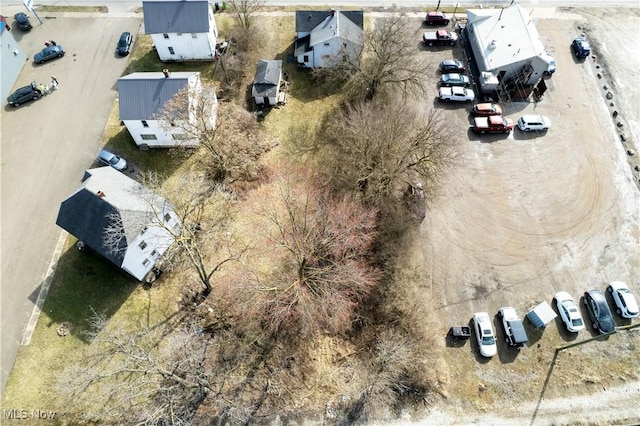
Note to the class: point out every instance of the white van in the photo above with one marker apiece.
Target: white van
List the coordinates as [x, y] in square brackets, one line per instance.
[528, 123]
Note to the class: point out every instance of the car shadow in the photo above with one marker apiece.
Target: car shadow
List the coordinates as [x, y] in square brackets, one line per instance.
[566, 335]
[506, 353]
[453, 105]
[475, 349]
[487, 137]
[618, 319]
[454, 342]
[520, 135]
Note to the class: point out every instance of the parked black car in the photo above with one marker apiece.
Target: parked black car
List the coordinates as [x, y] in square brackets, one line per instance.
[599, 311]
[23, 21]
[23, 95]
[124, 44]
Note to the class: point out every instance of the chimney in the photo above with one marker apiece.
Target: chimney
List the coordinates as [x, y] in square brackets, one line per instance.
[100, 194]
[166, 73]
[333, 12]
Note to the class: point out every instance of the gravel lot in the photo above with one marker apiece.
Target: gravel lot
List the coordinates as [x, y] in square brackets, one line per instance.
[533, 214]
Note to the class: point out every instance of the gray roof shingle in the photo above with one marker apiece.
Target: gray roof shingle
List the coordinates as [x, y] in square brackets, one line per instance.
[267, 78]
[307, 20]
[143, 94]
[86, 215]
[170, 16]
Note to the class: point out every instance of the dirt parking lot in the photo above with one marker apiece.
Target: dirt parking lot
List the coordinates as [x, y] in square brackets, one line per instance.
[532, 214]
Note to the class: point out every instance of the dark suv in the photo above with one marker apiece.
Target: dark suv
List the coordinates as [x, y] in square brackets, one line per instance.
[23, 21]
[581, 48]
[23, 95]
[599, 312]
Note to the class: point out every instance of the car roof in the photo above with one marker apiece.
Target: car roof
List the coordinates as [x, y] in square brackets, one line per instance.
[618, 284]
[536, 118]
[106, 154]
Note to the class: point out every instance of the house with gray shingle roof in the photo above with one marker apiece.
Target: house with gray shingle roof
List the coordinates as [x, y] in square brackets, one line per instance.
[121, 220]
[325, 38]
[183, 30]
[266, 84]
[149, 100]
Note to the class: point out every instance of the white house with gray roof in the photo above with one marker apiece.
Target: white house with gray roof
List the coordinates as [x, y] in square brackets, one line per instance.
[148, 99]
[505, 42]
[325, 38]
[121, 220]
[266, 84]
[183, 30]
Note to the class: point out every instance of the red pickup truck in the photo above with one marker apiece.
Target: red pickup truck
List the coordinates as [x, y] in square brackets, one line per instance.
[439, 38]
[492, 124]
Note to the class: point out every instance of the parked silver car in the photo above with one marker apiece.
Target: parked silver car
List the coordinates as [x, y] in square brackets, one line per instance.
[108, 158]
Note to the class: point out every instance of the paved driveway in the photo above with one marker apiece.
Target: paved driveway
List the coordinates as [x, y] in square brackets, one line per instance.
[46, 146]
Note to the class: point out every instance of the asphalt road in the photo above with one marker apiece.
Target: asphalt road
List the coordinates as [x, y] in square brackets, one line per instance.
[46, 146]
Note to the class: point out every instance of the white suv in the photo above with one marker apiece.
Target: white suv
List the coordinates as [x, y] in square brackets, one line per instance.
[528, 123]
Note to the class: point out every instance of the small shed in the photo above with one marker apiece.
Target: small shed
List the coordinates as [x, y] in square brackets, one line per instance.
[266, 85]
[541, 315]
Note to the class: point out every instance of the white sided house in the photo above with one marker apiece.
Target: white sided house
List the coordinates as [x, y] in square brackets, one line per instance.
[506, 43]
[325, 38]
[182, 30]
[121, 220]
[266, 84]
[143, 98]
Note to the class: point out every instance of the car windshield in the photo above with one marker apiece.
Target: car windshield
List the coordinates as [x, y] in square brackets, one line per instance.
[576, 322]
[606, 321]
[623, 290]
[114, 160]
[488, 340]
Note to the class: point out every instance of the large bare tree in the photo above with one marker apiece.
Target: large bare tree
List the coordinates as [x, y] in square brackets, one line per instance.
[379, 148]
[389, 62]
[318, 245]
[203, 242]
[230, 134]
[154, 375]
[244, 10]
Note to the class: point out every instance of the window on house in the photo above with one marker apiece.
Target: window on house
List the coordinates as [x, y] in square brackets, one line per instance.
[194, 35]
[167, 217]
[305, 58]
[327, 44]
[165, 35]
[179, 34]
[142, 245]
[180, 136]
[145, 262]
[171, 50]
[149, 137]
[144, 123]
[154, 253]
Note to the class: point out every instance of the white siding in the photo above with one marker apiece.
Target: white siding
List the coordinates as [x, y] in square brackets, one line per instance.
[164, 137]
[145, 251]
[187, 46]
